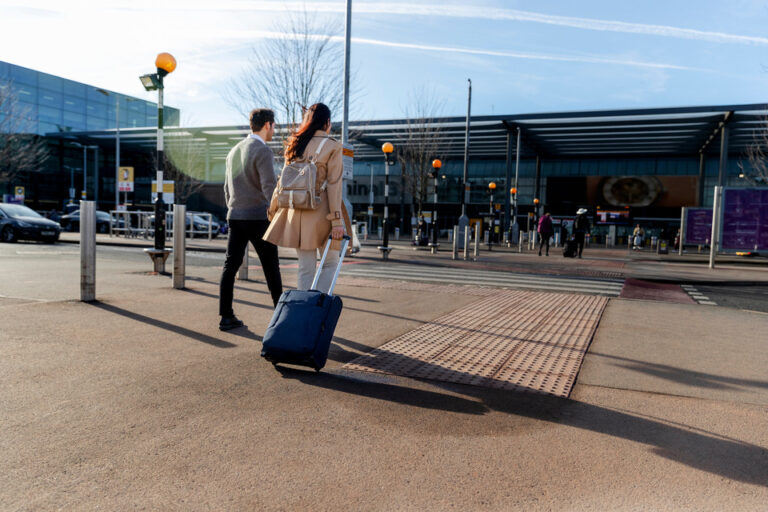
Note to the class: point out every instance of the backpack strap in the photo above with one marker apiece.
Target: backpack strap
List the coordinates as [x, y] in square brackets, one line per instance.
[313, 158]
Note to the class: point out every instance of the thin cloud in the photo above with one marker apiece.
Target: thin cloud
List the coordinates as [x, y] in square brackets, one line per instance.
[250, 35]
[410, 9]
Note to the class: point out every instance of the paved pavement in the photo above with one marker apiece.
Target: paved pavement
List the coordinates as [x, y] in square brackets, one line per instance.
[138, 401]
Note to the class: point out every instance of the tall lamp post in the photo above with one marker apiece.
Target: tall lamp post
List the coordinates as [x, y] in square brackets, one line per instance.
[370, 202]
[513, 222]
[387, 148]
[154, 82]
[436, 165]
[491, 188]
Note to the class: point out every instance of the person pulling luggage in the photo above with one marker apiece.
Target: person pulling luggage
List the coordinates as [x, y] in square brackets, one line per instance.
[580, 229]
[305, 226]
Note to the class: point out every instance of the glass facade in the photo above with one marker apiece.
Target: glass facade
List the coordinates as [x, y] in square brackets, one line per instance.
[51, 104]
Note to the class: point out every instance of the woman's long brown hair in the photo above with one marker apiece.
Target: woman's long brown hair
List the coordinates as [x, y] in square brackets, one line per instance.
[315, 118]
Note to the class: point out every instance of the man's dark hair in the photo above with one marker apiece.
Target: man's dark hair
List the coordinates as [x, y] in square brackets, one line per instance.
[259, 117]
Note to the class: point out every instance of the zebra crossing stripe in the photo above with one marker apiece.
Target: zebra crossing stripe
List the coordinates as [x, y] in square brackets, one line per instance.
[525, 282]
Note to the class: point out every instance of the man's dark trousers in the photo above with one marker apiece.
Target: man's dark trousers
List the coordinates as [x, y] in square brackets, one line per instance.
[240, 233]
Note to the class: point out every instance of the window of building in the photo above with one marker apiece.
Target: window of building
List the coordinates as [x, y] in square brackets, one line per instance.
[74, 104]
[49, 114]
[73, 88]
[96, 123]
[74, 120]
[94, 96]
[21, 75]
[50, 82]
[50, 99]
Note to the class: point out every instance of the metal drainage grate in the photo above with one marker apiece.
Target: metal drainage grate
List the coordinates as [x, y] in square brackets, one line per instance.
[515, 340]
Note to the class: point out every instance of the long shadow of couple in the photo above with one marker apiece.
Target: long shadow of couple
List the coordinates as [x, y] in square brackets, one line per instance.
[706, 451]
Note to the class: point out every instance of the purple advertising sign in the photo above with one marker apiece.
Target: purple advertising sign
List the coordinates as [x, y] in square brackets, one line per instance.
[745, 219]
[698, 226]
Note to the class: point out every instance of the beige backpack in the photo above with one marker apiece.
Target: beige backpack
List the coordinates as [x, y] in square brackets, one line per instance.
[296, 186]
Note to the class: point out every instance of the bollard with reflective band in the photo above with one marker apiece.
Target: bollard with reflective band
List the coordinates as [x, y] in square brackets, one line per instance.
[87, 251]
[179, 245]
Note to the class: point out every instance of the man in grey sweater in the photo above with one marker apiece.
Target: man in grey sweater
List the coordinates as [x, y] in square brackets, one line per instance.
[248, 186]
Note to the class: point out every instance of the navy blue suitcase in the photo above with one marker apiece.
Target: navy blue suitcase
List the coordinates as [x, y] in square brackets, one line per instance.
[302, 326]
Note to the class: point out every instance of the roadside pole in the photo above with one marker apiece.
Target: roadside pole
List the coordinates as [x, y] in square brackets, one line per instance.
[715, 238]
[681, 238]
[179, 245]
[87, 251]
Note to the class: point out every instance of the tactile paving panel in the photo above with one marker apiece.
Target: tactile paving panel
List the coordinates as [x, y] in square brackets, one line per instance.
[515, 340]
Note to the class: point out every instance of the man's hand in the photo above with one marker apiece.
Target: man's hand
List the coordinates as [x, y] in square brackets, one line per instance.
[337, 233]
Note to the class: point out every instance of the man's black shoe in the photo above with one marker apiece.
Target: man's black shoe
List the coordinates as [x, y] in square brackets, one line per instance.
[229, 322]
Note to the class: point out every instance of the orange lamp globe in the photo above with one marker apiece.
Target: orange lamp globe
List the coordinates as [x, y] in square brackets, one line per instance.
[513, 191]
[387, 147]
[492, 186]
[166, 62]
[436, 163]
[535, 201]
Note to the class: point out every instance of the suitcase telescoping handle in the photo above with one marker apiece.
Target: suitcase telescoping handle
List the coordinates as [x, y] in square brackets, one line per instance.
[344, 246]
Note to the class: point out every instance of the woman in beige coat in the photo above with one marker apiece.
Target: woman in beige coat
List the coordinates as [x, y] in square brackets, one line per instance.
[308, 230]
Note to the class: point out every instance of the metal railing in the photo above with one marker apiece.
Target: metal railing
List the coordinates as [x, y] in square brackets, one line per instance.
[140, 224]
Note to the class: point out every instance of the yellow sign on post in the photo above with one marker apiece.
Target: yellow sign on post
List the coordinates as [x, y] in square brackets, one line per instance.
[125, 179]
[19, 193]
[168, 190]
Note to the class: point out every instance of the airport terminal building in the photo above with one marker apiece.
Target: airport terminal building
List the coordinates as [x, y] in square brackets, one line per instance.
[626, 166]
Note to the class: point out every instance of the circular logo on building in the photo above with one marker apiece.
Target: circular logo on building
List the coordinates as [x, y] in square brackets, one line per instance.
[631, 190]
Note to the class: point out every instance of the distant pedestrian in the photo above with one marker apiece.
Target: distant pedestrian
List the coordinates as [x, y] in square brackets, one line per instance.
[637, 238]
[546, 231]
[307, 230]
[581, 227]
[248, 185]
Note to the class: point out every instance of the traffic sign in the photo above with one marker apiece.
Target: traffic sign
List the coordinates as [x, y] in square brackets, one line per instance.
[125, 179]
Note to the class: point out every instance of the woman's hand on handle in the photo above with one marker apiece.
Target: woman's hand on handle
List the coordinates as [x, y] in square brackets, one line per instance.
[337, 233]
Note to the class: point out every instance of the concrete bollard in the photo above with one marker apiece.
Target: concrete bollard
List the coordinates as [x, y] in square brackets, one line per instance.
[87, 251]
[242, 274]
[455, 239]
[477, 241]
[466, 243]
[179, 245]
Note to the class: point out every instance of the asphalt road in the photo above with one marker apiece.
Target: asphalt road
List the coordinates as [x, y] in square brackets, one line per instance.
[753, 298]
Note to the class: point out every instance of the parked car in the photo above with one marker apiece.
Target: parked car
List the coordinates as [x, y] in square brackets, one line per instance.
[199, 224]
[17, 222]
[71, 221]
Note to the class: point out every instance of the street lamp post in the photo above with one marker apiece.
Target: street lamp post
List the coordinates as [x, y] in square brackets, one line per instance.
[387, 148]
[513, 223]
[165, 64]
[370, 201]
[436, 165]
[491, 188]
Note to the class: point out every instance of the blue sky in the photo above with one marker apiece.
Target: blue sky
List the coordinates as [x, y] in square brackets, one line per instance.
[522, 56]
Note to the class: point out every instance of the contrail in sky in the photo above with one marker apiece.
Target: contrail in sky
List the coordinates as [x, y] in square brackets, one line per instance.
[449, 11]
[471, 51]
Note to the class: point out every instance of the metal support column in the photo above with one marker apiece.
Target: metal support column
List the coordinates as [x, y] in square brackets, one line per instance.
[723, 157]
[464, 219]
[507, 185]
[701, 179]
[537, 184]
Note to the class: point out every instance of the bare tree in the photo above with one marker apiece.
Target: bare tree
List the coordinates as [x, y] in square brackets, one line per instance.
[302, 65]
[757, 155]
[21, 150]
[419, 146]
[185, 165]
